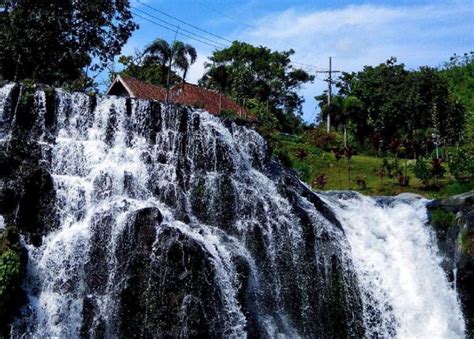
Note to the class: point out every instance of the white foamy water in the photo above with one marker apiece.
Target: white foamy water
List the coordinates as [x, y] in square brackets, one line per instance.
[89, 171]
[4, 123]
[395, 256]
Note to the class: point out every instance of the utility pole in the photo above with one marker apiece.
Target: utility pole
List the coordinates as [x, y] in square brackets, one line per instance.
[330, 82]
[169, 66]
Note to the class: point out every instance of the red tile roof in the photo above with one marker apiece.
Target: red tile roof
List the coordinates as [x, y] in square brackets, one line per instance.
[142, 90]
[201, 97]
[184, 93]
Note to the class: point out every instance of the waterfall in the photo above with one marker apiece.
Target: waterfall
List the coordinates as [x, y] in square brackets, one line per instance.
[157, 220]
[398, 267]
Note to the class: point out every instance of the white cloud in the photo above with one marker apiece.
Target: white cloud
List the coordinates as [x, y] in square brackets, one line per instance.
[367, 35]
[197, 70]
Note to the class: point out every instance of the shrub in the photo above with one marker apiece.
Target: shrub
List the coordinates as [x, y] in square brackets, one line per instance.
[301, 153]
[320, 138]
[437, 169]
[389, 168]
[461, 163]
[320, 181]
[466, 243]
[441, 219]
[422, 171]
[403, 180]
[281, 153]
[10, 269]
[10, 280]
[361, 183]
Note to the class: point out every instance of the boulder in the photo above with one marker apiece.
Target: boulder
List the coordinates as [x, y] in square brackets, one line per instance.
[457, 246]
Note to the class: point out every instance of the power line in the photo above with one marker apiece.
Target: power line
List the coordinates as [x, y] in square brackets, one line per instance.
[212, 42]
[330, 82]
[180, 28]
[184, 22]
[308, 66]
[174, 30]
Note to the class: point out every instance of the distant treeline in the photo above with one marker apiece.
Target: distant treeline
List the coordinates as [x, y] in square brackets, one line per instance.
[388, 106]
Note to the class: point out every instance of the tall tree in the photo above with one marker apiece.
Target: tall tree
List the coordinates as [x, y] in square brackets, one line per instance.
[54, 41]
[396, 103]
[459, 72]
[159, 63]
[261, 74]
[178, 55]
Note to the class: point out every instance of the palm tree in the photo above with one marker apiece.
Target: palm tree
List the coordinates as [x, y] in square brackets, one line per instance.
[352, 107]
[178, 55]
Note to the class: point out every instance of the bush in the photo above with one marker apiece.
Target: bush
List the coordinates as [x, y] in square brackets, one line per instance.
[301, 153]
[10, 269]
[12, 266]
[229, 113]
[390, 168]
[320, 181]
[441, 219]
[437, 169]
[466, 242]
[320, 138]
[10, 280]
[361, 183]
[422, 171]
[282, 154]
[461, 163]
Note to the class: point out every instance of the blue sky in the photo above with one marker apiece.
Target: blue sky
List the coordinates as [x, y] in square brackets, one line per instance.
[355, 33]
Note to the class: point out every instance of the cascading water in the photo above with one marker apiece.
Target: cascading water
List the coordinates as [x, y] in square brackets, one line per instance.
[159, 221]
[404, 289]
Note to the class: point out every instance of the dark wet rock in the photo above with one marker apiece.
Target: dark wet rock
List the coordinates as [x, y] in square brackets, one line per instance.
[455, 202]
[456, 243]
[170, 287]
[102, 186]
[36, 209]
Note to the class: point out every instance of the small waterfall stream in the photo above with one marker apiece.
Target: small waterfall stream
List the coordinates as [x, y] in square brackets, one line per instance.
[167, 221]
[404, 288]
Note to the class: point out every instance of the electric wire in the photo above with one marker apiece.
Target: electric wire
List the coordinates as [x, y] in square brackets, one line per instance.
[184, 22]
[211, 42]
[174, 30]
[180, 28]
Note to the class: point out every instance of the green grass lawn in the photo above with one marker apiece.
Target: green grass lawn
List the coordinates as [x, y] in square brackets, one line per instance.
[365, 167]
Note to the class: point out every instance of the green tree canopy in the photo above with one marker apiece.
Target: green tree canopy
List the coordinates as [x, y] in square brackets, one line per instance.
[245, 72]
[178, 55]
[459, 72]
[54, 41]
[391, 104]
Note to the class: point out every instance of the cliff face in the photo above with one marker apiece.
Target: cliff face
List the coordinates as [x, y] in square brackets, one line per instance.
[453, 221]
[142, 219]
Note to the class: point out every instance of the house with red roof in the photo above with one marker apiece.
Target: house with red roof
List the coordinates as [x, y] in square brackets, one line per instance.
[183, 93]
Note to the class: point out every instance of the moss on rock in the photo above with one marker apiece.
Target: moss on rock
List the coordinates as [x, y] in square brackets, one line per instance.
[12, 264]
[442, 219]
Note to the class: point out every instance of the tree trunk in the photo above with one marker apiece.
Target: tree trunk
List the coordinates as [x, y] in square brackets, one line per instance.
[345, 136]
[168, 80]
